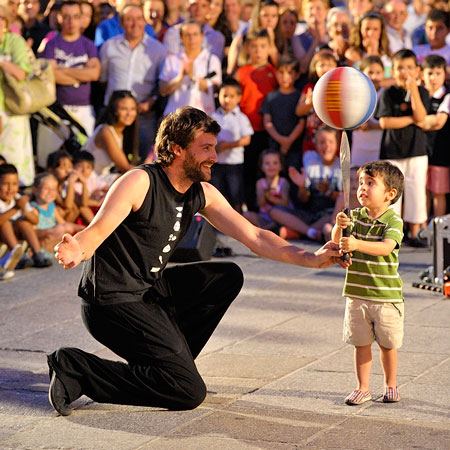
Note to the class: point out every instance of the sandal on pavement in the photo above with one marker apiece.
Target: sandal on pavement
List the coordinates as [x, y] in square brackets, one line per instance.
[391, 395]
[358, 397]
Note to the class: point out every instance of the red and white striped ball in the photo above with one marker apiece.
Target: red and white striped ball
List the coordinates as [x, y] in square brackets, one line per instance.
[344, 98]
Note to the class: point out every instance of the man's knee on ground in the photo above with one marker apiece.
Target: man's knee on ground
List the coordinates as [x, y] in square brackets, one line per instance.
[191, 397]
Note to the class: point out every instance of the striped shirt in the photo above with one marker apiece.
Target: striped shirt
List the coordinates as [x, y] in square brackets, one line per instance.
[375, 278]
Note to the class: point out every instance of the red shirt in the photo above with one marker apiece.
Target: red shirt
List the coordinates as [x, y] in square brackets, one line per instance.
[255, 84]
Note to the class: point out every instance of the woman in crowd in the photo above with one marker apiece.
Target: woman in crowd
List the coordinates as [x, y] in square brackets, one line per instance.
[115, 141]
[189, 78]
[305, 44]
[288, 24]
[338, 28]
[368, 38]
[264, 17]
[15, 137]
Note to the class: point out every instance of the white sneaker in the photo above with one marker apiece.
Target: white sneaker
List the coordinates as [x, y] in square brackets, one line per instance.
[10, 260]
[6, 275]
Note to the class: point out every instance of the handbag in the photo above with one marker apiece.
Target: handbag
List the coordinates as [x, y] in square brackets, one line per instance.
[36, 92]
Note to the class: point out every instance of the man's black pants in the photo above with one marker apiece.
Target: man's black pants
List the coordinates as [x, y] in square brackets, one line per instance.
[159, 337]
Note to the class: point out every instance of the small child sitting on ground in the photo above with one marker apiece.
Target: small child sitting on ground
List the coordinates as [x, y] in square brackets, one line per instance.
[271, 190]
[51, 226]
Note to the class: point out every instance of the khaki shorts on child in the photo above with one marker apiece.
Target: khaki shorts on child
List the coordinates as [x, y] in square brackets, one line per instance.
[367, 321]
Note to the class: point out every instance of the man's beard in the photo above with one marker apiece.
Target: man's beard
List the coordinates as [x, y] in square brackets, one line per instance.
[193, 169]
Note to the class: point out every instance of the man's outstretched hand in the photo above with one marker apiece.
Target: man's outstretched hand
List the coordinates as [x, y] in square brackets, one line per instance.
[330, 254]
[68, 252]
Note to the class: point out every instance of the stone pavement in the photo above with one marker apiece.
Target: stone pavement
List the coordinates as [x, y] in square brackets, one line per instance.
[276, 368]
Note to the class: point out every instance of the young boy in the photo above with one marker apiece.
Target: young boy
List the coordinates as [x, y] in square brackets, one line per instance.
[319, 185]
[437, 126]
[17, 219]
[90, 195]
[436, 29]
[236, 132]
[257, 79]
[401, 109]
[60, 164]
[374, 308]
[278, 110]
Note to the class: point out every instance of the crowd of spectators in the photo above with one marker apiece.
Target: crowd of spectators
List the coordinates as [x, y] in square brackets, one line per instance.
[120, 67]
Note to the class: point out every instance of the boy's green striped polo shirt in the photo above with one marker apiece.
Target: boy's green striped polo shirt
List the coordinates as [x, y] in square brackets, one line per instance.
[375, 278]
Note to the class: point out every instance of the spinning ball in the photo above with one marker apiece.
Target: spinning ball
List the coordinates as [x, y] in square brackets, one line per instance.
[344, 98]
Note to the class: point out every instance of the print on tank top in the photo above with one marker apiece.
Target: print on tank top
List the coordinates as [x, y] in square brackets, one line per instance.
[172, 237]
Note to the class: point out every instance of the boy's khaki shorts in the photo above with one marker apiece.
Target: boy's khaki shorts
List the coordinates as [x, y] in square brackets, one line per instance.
[367, 321]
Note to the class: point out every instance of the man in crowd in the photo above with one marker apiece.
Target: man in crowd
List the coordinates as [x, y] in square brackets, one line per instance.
[76, 65]
[132, 61]
[395, 15]
[213, 40]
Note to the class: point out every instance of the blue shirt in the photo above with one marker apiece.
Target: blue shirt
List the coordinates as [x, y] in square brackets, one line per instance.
[111, 27]
[136, 70]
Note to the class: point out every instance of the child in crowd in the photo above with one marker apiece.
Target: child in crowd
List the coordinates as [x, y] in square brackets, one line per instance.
[257, 79]
[339, 206]
[437, 27]
[278, 110]
[51, 226]
[60, 164]
[323, 62]
[271, 190]
[319, 185]
[17, 221]
[366, 139]
[374, 308]
[401, 109]
[438, 135]
[93, 192]
[235, 134]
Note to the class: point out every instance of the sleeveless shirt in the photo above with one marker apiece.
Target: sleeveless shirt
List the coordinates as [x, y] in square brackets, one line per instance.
[131, 260]
[46, 216]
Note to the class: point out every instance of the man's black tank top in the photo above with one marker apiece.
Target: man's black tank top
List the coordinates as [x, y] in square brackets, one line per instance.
[132, 258]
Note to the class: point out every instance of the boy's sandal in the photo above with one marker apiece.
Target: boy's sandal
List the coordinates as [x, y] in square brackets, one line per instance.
[391, 395]
[358, 397]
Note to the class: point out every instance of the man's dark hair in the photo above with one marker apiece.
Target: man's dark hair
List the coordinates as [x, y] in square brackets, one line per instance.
[180, 128]
[54, 158]
[434, 62]
[392, 176]
[70, 3]
[404, 53]
[437, 15]
[232, 82]
[83, 155]
[7, 169]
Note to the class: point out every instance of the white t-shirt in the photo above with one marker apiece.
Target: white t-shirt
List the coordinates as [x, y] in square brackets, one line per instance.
[189, 94]
[234, 126]
[4, 207]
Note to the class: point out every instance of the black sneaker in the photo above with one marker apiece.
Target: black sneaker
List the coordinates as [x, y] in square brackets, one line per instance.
[417, 243]
[25, 262]
[41, 260]
[57, 396]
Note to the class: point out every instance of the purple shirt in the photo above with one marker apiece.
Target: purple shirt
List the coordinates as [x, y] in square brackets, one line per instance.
[71, 54]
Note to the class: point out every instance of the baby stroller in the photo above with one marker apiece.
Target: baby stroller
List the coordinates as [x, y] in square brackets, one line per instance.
[57, 128]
